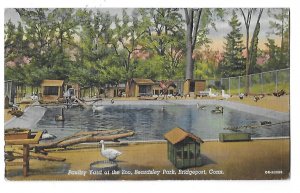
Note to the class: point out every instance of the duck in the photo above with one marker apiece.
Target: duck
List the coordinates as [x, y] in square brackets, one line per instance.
[60, 117]
[210, 94]
[256, 98]
[225, 96]
[110, 154]
[218, 110]
[47, 136]
[97, 108]
[280, 93]
[112, 101]
[163, 108]
[265, 122]
[241, 96]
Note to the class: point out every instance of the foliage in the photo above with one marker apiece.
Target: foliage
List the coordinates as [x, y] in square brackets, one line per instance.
[233, 63]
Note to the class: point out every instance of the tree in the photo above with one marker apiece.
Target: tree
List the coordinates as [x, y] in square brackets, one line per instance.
[233, 63]
[197, 22]
[166, 39]
[97, 62]
[38, 35]
[247, 14]
[63, 25]
[192, 20]
[280, 26]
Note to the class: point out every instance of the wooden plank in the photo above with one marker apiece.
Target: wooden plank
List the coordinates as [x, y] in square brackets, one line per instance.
[41, 156]
[34, 140]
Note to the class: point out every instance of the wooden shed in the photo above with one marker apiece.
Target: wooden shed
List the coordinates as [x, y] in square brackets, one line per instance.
[194, 86]
[139, 87]
[183, 148]
[52, 90]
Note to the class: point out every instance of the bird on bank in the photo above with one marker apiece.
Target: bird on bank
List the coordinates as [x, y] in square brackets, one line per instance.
[241, 96]
[225, 96]
[256, 98]
[210, 94]
[110, 154]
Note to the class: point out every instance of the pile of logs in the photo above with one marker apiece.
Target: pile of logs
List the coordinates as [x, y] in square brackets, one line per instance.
[40, 150]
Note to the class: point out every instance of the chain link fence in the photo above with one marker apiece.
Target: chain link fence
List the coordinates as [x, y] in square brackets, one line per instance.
[260, 83]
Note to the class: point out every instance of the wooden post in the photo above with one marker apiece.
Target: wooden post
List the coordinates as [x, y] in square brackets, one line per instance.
[25, 159]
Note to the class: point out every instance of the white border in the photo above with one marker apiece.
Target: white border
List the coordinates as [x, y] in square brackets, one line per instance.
[171, 186]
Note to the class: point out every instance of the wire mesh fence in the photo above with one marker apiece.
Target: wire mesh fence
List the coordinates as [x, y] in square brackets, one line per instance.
[264, 82]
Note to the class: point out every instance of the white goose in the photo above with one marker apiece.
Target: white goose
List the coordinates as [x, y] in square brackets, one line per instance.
[110, 154]
[225, 96]
[210, 94]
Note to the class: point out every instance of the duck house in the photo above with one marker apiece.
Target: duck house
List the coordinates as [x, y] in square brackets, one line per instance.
[139, 87]
[183, 148]
[52, 90]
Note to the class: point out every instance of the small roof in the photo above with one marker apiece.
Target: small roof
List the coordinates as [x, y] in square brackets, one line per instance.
[177, 135]
[143, 81]
[52, 83]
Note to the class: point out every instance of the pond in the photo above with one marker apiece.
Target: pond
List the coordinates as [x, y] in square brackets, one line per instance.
[150, 122]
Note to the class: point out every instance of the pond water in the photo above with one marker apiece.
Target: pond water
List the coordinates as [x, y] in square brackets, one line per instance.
[150, 122]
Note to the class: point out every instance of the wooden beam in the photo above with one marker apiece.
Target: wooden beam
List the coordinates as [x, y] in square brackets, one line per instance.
[34, 140]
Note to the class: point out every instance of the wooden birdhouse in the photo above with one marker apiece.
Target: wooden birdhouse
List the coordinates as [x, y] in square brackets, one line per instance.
[183, 148]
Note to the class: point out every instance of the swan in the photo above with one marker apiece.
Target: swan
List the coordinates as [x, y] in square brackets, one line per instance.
[97, 108]
[226, 96]
[210, 94]
[110, 154]
[47, 136]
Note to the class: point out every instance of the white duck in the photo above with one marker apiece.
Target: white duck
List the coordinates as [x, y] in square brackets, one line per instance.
[225, 96]
[210, 94]
[97, 108]
[110, 154]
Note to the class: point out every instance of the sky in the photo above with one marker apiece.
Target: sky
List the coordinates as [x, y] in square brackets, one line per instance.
[217, 36]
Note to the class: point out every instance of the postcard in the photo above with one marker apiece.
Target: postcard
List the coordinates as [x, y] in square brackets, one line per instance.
[147, 94]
